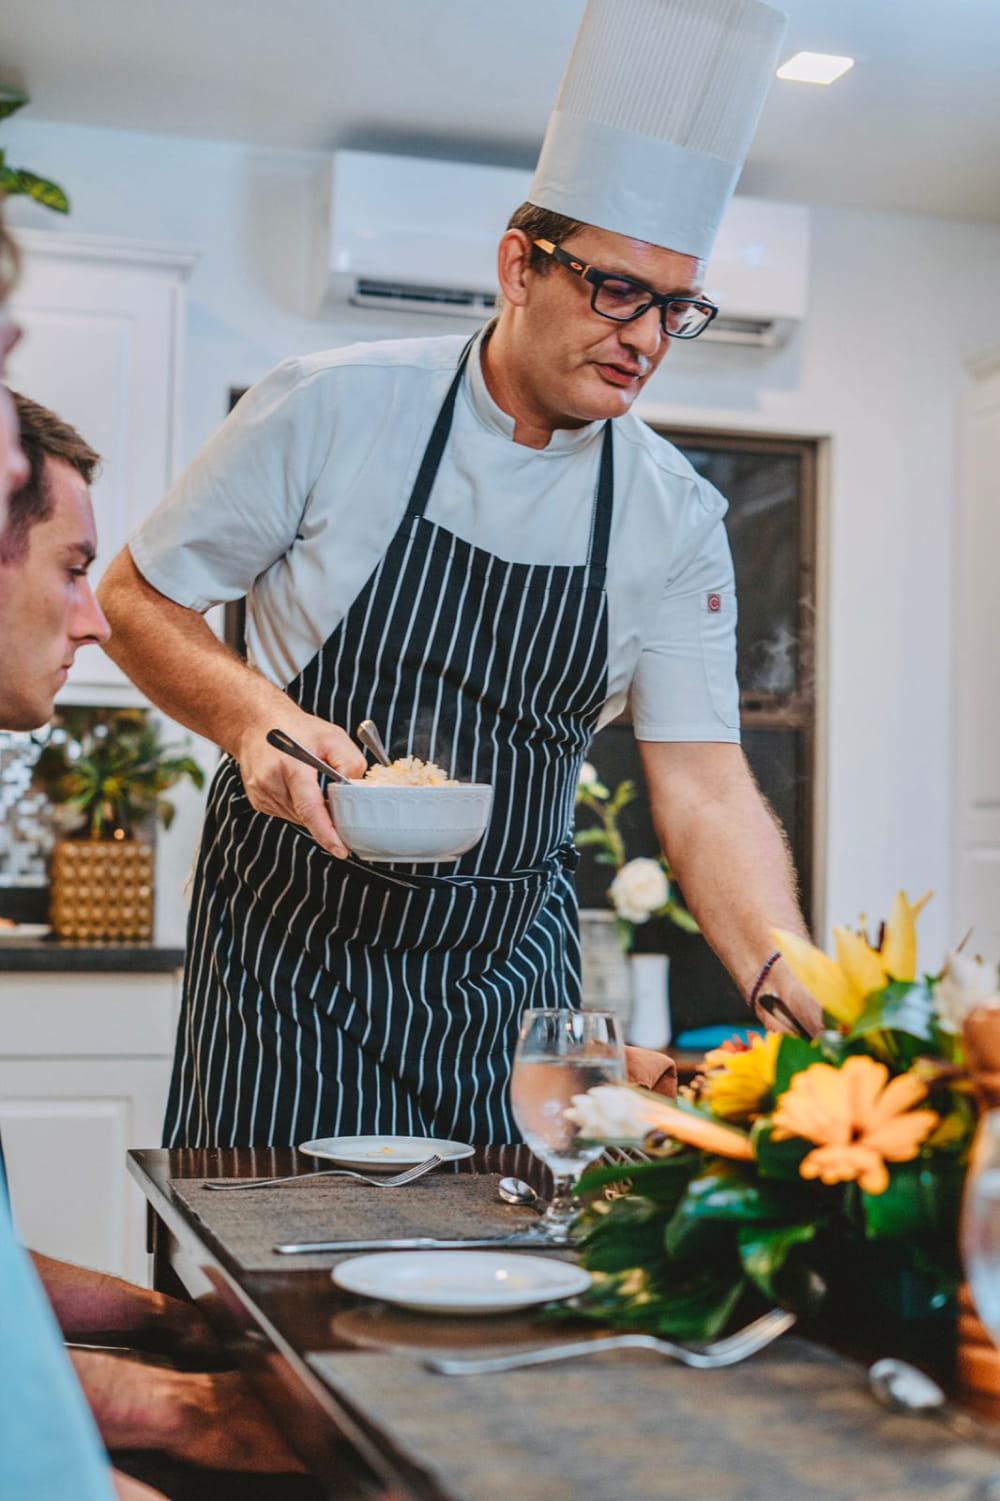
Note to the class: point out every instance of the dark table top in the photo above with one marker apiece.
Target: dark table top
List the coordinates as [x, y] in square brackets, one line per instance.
[50, 955]
[344, 1378]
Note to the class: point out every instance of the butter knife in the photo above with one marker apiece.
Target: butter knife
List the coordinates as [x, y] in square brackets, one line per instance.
[423, 1243]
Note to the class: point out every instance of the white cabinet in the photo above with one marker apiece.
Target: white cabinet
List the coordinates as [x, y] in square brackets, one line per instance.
[84, 1071]
[103, 324]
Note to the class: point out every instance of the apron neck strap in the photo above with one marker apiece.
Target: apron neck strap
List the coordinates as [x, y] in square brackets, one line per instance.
[424, 482]
[600, 525]
[604, 500]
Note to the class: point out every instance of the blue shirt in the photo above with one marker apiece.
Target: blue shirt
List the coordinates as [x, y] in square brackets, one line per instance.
[50, 1449]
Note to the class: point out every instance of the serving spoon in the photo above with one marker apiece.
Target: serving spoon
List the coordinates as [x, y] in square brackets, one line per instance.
[370, 738]
[281, 740]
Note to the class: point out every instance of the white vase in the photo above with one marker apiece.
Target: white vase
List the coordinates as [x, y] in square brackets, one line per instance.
[607, 981]
[649, 1023]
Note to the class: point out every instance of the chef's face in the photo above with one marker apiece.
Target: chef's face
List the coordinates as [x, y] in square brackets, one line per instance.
[13, 464]
[47, 607]
[584, 366]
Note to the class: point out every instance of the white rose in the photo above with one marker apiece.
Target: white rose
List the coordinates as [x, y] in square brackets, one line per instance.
[639, 889]
[588, 775]
[965, 983]
[609, 1112]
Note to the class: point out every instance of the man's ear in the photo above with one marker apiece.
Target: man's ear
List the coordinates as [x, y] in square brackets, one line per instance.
[514, 266]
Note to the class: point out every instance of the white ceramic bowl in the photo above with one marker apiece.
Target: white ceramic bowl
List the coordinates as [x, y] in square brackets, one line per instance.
[418, 824]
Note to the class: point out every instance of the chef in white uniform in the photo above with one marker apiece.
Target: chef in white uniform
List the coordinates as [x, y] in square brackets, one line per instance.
[477, 545]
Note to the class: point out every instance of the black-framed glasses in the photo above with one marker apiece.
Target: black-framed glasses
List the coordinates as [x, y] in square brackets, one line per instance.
[624, 300]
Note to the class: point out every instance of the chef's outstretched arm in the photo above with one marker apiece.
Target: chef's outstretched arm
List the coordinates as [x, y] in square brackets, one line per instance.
[731, 858]
[177, 660]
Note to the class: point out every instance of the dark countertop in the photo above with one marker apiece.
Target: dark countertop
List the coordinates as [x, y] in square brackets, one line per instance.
[57, 955]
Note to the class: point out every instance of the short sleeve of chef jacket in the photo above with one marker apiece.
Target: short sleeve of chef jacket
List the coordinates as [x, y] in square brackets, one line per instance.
[685, 686]
[285, 501]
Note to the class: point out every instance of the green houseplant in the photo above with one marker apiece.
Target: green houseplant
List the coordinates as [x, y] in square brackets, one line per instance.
[105, 772]
[18, 180]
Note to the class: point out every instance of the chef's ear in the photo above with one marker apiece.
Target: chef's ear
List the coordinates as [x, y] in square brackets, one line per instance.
[514, 266]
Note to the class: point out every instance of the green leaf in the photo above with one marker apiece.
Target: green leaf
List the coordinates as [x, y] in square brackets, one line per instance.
[10, 101]
[779, 1159]
[663, 1180]
[906, 1006]
[764, 1252]
[43, 191]
[794, 1055]
[922, 1196]
[585, 837]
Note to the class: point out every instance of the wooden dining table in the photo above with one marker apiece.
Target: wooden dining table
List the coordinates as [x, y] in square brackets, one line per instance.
[346, 1381]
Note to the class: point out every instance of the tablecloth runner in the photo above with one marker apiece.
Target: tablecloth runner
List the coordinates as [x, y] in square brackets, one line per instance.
[244, 1227]
[797, 1423]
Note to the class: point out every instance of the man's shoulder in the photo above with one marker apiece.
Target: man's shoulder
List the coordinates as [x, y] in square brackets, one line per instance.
[661, 464]
[416, 357]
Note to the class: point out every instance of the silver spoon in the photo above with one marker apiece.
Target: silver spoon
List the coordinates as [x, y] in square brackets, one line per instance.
[903, 1388]
[281, 740]
[370, 738]
[516, 1191]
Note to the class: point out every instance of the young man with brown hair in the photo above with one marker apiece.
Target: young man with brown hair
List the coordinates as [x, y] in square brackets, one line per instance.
[205, 1418]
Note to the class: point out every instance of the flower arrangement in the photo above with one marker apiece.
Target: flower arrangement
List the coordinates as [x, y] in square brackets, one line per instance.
[642, 888]
[105, 770]
[823, 1174]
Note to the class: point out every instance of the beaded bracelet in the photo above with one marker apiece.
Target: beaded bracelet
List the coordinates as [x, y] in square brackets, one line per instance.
[755, 992]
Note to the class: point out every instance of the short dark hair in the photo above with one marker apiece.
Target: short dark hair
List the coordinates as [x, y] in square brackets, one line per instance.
[43, 436]
[543, 224]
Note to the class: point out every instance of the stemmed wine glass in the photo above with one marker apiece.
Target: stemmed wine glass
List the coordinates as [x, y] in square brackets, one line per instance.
[981, 1222]
[562, 1053]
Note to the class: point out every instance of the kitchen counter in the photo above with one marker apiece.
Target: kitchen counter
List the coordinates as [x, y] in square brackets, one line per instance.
[57, 955]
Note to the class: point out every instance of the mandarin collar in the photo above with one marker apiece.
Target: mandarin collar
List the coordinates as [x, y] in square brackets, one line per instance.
[495, 420]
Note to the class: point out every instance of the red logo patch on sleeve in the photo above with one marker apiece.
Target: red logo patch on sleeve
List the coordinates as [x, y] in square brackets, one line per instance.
[715, 603]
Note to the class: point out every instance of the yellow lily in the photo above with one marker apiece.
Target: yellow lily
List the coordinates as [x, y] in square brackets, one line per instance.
[843, 985]
[899, 947]
[822, 977]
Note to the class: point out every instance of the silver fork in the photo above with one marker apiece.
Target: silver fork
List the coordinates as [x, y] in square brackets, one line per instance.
[723, 1352]
[396, 1180]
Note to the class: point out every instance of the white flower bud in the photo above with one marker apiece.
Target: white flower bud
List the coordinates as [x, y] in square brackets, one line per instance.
[639, 889]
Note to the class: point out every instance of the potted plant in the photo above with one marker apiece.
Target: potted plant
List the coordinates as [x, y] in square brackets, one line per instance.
[641, 888]
[105, 772]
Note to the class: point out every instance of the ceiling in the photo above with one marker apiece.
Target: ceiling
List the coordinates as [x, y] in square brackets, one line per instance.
[914, 126]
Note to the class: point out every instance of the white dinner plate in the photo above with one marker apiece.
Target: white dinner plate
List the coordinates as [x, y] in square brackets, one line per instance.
[387, 1154]
[461, 1282]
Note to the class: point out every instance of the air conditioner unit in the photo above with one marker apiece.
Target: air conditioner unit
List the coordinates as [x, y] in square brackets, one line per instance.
[407, 234]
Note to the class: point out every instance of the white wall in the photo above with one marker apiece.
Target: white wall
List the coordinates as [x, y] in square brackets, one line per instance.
[897, 305]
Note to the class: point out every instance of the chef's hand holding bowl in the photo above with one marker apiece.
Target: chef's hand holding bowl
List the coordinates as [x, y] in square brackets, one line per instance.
[410, 812]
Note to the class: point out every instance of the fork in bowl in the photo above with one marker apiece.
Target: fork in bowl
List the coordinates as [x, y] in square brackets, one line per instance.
[396, 1180]
[729, 1351]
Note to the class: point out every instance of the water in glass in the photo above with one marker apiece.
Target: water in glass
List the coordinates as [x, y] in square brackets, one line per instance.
[561, 1054]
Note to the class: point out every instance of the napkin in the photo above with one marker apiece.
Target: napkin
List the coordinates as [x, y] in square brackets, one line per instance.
[655, 1071]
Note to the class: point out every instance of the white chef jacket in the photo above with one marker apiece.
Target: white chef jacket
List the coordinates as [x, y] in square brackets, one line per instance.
[296, 498]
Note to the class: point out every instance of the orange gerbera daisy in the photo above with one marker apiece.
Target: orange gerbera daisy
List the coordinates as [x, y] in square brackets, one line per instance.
[858, 1117]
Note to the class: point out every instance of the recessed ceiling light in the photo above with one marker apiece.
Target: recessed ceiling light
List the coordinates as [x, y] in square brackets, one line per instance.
[815, 67]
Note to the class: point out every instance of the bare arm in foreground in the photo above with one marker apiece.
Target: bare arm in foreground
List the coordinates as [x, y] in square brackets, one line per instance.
[732, 860]
[175, 658]
[88, 1304]
[209, 1419]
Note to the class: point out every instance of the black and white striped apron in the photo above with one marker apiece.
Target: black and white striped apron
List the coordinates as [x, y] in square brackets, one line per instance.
[327, 997]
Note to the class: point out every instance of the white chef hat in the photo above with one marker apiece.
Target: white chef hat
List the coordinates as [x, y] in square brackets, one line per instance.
[655, 116]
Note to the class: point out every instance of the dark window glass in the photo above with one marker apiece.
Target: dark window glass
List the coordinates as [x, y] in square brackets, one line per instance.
[765, 534]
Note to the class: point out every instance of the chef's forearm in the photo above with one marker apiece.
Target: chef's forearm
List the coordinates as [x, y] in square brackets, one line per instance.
[732, 860]
[173, 655]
